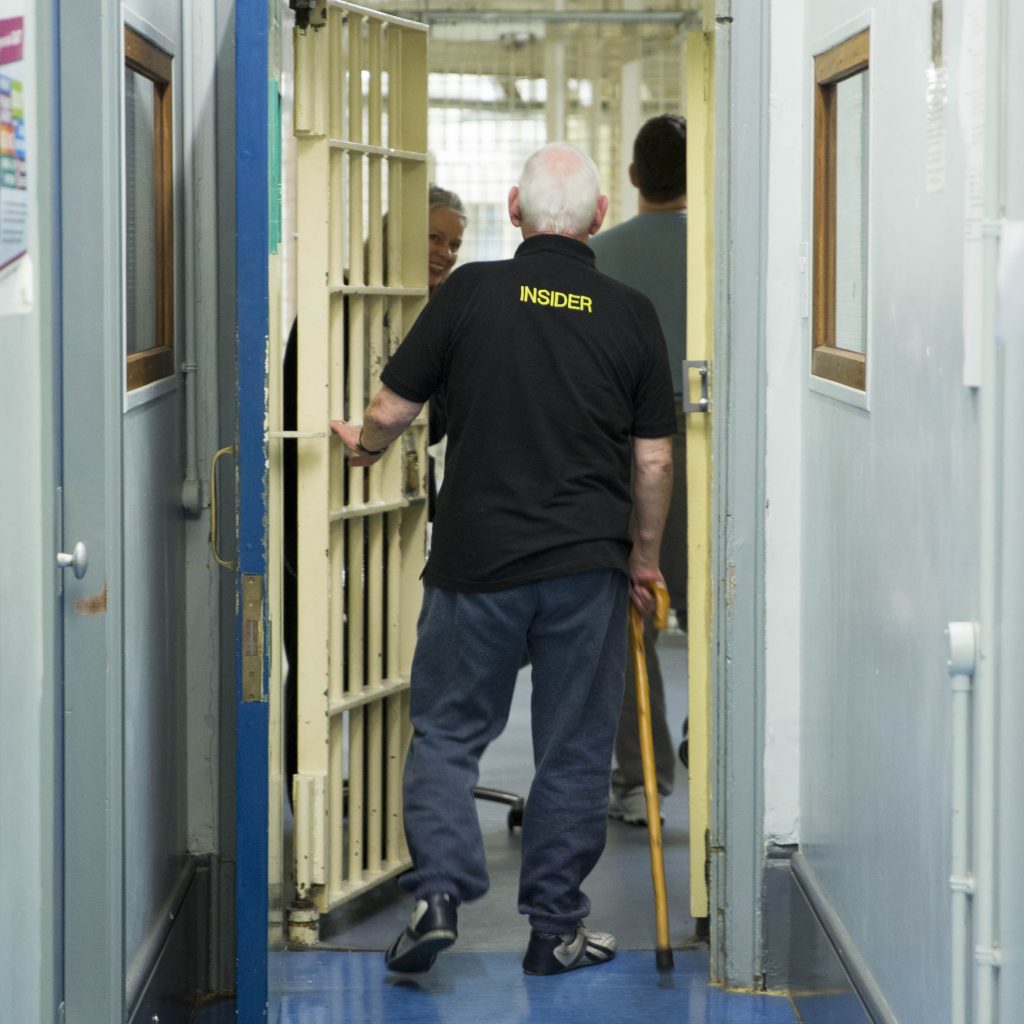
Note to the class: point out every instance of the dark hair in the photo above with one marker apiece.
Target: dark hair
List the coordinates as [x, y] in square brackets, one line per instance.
[659, 155]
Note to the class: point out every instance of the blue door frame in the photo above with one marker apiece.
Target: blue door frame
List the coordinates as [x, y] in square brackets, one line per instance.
[251, 262]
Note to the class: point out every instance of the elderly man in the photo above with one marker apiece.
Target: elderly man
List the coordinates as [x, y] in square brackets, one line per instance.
[558, 474]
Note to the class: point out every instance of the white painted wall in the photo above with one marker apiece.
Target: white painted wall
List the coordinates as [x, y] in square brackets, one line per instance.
[872, 525]
[27, 714]
[785, 329]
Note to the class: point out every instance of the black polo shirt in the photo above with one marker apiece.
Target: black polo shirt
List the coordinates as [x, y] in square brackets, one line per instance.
[549, 368]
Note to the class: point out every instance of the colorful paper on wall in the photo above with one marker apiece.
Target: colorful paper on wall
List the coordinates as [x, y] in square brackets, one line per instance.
[14, 170]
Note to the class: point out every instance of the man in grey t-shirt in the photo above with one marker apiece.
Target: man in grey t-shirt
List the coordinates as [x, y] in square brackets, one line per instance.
[648, 252]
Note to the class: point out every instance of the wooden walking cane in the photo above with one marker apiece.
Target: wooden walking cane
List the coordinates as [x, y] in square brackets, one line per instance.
[663, 953]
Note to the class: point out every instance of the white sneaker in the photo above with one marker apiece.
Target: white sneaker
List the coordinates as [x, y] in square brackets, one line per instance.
[556, 954]
[631, 807]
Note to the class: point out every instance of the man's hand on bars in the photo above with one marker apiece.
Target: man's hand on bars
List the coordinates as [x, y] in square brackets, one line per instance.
[349, 434]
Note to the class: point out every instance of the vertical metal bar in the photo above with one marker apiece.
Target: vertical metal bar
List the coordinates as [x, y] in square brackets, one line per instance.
[375, 644]
[375, 268]
[303, 795]
[413, 112]
[336, 240]
[374, 40]
[336, 470]
[357, 270]
[356, 613]
[334, 73]
[375, 599]
[394, 584]
[357, 361]
[395, 88]
[336, 805]
[310, 116]
[356, 790]
[318, 845]
[393, 778]
[335, 625]
[555, 75]
[374, 783]
[313, 538]
[394, 108]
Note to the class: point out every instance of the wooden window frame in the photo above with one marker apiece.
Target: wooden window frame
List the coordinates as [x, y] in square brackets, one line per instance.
[828, 360]
[152, 63]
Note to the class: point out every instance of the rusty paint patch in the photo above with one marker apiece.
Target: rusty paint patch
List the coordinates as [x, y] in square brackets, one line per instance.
[95, 605]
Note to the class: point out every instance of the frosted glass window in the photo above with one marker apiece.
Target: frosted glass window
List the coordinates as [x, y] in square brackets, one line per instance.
[852, 212]
[841, 213]
[140, 213]
[149, 212]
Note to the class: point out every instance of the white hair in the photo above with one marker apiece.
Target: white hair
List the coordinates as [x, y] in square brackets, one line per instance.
[559, 190]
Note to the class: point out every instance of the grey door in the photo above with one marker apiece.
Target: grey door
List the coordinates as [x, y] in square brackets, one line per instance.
[90, 382]
[121, 411]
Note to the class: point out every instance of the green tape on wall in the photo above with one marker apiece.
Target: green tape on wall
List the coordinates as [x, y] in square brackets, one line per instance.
[274, 165]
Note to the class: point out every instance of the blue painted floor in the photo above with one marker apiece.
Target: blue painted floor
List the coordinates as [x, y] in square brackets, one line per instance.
[481, 981]
[490, 988]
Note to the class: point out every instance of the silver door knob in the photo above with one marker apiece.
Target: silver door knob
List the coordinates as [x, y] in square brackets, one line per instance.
[77, 561]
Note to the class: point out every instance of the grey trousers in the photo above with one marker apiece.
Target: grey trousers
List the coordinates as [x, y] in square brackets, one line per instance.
[468, 652]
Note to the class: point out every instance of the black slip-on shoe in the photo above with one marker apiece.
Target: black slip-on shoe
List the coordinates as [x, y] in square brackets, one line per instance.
[556, 954]
[432, 927]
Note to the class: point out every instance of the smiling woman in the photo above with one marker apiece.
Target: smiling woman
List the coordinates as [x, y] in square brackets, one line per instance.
[447, 224]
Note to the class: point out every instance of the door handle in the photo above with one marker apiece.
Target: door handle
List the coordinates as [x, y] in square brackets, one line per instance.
[77, 561]
[701, 366]
[223, 562]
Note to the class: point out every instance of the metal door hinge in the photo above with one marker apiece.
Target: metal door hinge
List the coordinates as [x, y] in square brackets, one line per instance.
[252, 638]
[701, 366]
[309, 12]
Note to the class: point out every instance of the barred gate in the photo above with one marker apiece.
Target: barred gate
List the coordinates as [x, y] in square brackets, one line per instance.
[361, 129]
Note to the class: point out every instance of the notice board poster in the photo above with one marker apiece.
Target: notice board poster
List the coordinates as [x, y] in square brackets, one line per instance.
[14, 170]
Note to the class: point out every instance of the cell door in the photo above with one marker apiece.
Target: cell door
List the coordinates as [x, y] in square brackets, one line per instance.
[89, 379]
[361, 127]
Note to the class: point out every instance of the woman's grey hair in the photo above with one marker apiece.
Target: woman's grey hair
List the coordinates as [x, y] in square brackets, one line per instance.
[441, 198]
[559, 190]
